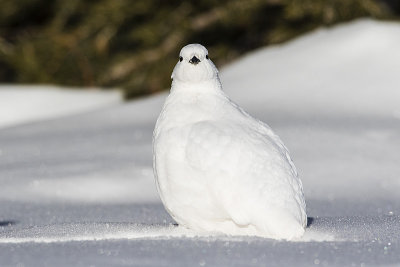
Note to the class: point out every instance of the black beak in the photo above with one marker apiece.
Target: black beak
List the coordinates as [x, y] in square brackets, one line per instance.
[194, 60]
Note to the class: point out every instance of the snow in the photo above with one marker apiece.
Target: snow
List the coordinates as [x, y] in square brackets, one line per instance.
[24, 103]
[78, 189]
[347, 70]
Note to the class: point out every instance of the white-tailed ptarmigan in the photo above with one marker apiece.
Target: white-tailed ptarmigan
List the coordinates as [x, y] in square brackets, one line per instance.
[217, 168]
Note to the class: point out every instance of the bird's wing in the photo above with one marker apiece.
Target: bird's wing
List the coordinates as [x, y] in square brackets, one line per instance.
[246, 165]
[267, 132]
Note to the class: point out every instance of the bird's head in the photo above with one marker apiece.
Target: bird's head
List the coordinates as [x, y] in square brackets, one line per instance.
[194, 65]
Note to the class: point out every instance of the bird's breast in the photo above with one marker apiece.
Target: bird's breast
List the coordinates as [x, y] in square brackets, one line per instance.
[185, 111]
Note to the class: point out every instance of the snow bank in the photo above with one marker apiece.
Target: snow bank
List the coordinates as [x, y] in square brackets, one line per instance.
[21, 104]
[349, 69]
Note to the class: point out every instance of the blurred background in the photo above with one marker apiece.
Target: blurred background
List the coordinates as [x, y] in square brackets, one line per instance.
[133, 45]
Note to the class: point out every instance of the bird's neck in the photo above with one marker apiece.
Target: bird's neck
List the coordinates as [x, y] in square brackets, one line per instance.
[192, 102]
[211, 86]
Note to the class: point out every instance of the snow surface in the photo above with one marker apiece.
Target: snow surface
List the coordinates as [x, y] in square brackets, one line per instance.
[23, 103]
[78, 190]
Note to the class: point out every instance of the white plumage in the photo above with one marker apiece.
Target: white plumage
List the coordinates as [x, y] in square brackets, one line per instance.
[217, 168]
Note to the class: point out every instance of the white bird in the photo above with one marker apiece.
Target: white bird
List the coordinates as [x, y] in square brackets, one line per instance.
[217, 168]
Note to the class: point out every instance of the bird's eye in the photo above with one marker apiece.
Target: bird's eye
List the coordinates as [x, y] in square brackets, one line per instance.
[180, 59]
[207, 57]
